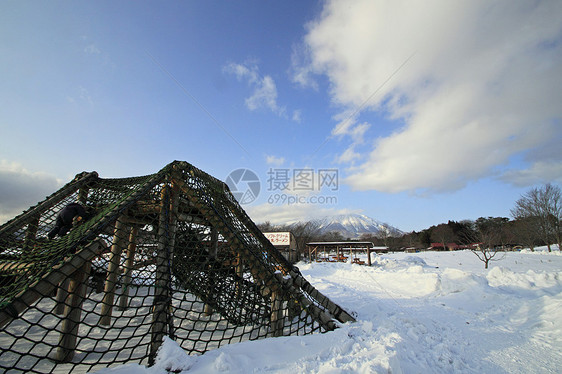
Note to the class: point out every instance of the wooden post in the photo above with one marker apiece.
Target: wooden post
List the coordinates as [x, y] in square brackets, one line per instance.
[119, 240]
[83, 194]
[338, 313]
[162, 314]
[31, 233]
[46, 284]
[276, 314]
[239, 272]
[369, 256]
[208, 310]
[62, 291]
[131, 250]
[62, 294]
[72, 313]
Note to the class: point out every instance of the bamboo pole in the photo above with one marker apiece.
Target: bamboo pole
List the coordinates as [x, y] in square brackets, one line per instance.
[129, 263]
[119, 239]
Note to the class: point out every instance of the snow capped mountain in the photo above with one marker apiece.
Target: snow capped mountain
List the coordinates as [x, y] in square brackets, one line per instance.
[350, 226]
[354, 225]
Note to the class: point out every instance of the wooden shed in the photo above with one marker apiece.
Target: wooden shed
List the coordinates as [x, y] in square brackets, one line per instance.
[338, 251]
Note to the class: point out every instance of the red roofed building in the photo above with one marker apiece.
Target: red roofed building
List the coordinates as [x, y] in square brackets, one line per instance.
[448, 247]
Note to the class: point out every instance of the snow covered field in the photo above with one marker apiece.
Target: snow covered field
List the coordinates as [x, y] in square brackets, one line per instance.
[430, 312]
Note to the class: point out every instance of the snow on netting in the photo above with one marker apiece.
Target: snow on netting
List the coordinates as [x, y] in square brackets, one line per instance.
[168, 254]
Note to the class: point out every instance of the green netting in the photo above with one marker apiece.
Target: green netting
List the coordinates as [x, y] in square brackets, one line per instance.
[168, 254]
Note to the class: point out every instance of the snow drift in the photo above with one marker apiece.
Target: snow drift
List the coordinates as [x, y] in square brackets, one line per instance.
[438, 312]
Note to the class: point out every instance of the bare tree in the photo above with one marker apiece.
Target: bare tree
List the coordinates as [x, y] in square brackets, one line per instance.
[411, 240]
[485, 253]
[442, 234]
[266, 226]
[305, 232]
[332, 236]
[384, 236]
[489, 236]
[545, 205]
[527, 232]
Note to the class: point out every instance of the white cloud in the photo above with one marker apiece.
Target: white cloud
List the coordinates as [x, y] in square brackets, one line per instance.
[344, 127]
[352, 129]
[275, 161]
[542, 172]
[248, 71]
[85, 95]
[297, 116]
[264, 94]
[349, 127]
[291, 213]
[81, 95]
[348, 155]
[20, 189]
[472, 83]
[92, 49]
[301, 69]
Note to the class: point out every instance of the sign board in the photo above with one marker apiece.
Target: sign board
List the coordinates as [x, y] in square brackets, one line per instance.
[278, 238]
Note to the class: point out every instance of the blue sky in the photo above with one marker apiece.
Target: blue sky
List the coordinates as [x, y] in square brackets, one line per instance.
[426, 111]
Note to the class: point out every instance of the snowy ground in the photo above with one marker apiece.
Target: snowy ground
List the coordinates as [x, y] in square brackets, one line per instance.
[431, 312]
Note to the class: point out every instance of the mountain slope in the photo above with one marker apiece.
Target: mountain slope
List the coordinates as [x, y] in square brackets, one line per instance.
[354, 225]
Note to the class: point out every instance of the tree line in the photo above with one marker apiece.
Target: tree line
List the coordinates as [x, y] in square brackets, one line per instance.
[535, 221]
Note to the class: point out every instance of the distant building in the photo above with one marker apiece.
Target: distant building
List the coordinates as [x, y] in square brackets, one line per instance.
[286, 243]
[337, 251]
[446, 247]
[452, 246]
